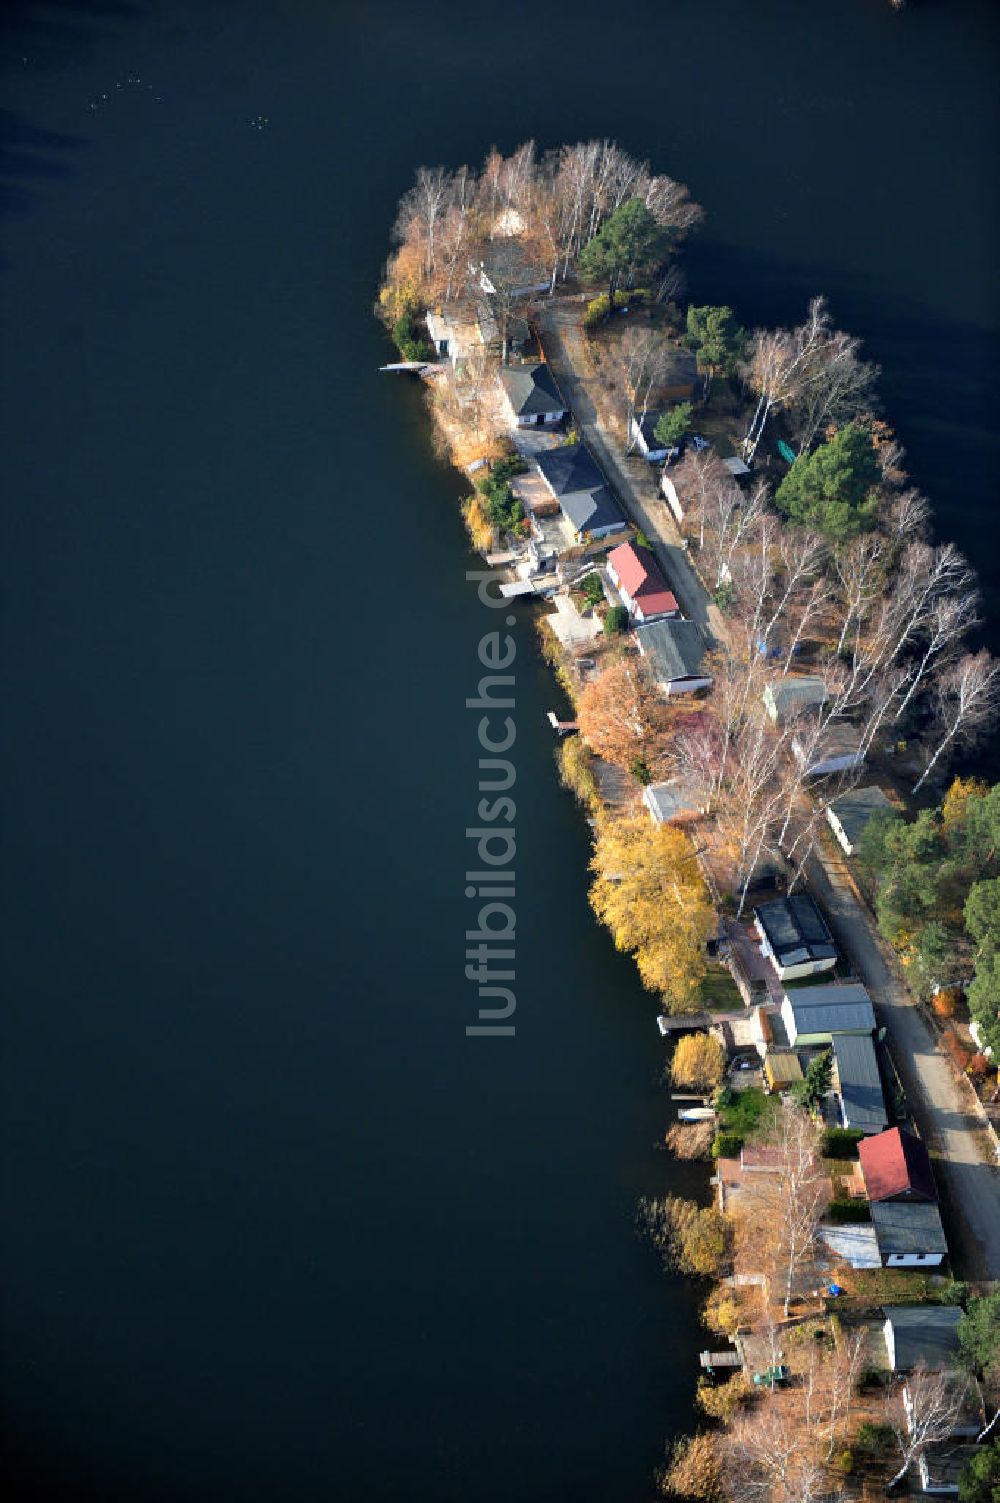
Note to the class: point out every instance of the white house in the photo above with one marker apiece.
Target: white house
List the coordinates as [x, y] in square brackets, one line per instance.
[642, 437]
[633, 571]
[792, 695]
[531, 396]
[835, 748]
[455, 331]
[921, 1336]
[674, 649]
[908, 1234]
[795, 937]
[671, 803]
[815, 1014]
[848, 815]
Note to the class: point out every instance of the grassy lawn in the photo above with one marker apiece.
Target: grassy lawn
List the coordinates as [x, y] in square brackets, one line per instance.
[894, 1286]
[718, 991]
[751, 1112]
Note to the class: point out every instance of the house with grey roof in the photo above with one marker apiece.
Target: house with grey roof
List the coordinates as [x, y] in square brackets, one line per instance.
[642, 435]
[821, 750]
[793, 695]
[857, 1083]
[531, 395]
[671, 803]
[583, 495]
[921, 1336]
[814, 1014]
[674, 650]
[849, 814]
[795, 937]
[908, 1234]
[940, 1468]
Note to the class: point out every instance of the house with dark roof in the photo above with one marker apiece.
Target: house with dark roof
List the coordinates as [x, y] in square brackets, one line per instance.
[816, 1014]
[897, 1166]
[634, 573]
[531, 395]
[940, 1468]
[793, 695]
[921, 1336]
[857, 1083]
[849, 814]
[823, 749]
[577, 484]
[642, 436]
[908, 1235]
[795, 937]
[674, 650]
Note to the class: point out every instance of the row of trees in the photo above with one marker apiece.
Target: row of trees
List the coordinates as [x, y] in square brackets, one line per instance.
[935, 884]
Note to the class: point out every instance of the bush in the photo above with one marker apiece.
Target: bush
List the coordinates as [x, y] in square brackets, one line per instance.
[848, 1210]
[616, 621]
[641, 540]
[979, 1066]
[640, 771]
[727, 1145]
[502, 507]
[408, 342]
[944, 1004]
[593, 589]
[875, 1438]
[840, 1143]
[599, 308]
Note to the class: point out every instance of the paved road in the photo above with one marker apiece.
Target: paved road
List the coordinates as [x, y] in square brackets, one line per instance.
[940, 1101]
[631, 480]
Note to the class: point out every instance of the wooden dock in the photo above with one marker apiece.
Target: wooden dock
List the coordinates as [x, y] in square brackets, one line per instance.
[562, 727]
[712, 1360]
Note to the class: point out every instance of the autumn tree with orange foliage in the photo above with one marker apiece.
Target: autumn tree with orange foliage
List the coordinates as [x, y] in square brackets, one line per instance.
[622, 715]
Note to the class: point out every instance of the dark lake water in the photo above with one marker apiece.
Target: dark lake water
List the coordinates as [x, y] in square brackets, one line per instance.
[274, 1228]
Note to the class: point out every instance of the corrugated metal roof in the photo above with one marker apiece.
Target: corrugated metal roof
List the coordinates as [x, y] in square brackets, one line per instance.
[860, 1086]
[675, 648]
[908, 1227]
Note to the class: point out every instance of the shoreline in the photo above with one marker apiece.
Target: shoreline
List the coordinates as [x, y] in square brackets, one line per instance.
[500, 460]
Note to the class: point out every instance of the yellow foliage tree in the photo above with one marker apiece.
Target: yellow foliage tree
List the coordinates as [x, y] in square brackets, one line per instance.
[694, 1470]
[956, 801]
[650, 893]
[699, 1062]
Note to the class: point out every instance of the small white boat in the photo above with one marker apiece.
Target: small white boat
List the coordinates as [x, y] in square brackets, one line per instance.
[696, 1114]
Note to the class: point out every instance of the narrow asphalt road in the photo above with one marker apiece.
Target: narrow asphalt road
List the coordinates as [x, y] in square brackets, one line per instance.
[941, 1103]
[562, 337]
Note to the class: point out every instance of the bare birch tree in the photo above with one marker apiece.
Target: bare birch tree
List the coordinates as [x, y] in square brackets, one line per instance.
[923, 1413]
[967, 699]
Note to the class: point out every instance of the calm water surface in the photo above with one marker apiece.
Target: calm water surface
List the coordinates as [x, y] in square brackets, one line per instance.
[274, 1228]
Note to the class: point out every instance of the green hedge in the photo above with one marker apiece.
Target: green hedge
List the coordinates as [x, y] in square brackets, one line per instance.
[600, 307]
[848, 1210]
[727, 1145]
[841, 1143]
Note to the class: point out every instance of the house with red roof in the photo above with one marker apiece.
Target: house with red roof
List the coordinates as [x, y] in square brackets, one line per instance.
[636, 577]
[897, 1166]
[903, 1198]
